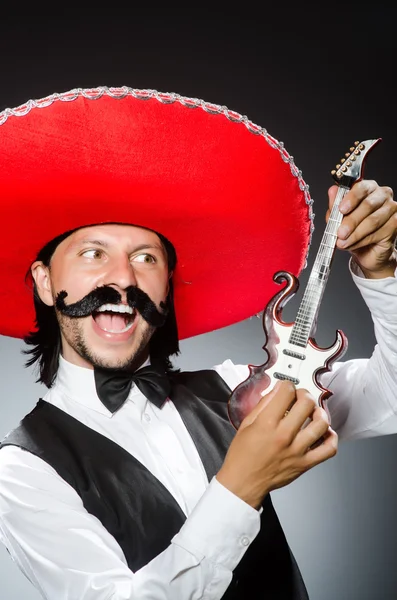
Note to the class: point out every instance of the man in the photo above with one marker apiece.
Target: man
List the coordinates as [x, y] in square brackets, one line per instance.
[127, 480]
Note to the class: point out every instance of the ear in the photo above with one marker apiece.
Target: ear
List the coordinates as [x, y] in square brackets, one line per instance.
[41, 276]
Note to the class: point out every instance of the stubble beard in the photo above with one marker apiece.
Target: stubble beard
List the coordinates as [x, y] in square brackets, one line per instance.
[72, 331]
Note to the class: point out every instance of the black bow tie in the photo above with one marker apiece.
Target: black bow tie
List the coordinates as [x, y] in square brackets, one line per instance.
[113, 387]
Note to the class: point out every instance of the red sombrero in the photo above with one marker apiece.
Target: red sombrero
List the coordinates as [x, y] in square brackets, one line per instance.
[220, 188]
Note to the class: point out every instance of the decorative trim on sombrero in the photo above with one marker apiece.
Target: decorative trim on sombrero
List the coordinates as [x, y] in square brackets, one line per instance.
[204, 177]
[169, 98]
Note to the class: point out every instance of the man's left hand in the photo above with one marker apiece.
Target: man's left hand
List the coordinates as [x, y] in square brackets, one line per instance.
[369, 227]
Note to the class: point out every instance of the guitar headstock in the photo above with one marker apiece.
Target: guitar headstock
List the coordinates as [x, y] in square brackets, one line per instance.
[351, 168]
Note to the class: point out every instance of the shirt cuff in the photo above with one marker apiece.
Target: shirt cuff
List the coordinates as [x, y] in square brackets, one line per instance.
[380, 295]
[220, 528]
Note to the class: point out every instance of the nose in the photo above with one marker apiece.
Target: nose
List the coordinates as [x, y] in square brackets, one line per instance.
[120, 273]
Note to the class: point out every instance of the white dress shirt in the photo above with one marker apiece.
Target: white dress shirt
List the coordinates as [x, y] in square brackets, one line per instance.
[66, 552]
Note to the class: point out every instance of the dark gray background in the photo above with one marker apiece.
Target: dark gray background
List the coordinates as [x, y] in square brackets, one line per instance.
[317, 83]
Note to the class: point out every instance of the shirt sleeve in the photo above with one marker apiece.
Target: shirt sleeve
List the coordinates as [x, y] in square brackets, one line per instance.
[364, 400]
[66, 553]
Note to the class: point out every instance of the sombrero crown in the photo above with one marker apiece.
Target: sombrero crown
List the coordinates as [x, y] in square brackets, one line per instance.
[223, 190]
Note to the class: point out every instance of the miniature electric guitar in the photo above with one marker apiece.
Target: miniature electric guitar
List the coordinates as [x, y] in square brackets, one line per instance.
[292, 352]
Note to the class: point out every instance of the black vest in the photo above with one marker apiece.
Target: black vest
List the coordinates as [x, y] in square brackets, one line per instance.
[136, 508]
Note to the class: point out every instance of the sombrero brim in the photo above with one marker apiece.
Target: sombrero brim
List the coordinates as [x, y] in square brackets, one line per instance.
[220, 188]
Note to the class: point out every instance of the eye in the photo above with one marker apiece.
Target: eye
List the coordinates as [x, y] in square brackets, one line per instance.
[94, 253]
[145, 258]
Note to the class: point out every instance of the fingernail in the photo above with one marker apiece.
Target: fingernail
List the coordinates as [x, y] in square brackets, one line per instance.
[344, 207]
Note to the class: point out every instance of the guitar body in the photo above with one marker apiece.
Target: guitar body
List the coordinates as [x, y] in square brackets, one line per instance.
[292, 352]
[303, 366]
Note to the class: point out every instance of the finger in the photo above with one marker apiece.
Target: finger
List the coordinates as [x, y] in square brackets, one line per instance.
[332, 191]
[367, 205]
[259, 407]
[303, 408]
[281, 400]
[366, 235]
[357, 194]
[323, 452]
[314, 430]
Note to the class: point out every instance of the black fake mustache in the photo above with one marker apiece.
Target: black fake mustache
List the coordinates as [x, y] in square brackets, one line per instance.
[136, 298]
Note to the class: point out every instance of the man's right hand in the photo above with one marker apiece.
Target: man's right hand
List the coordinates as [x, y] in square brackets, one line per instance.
[271, 448]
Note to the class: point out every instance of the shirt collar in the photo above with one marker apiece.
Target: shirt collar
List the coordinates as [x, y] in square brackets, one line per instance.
[78, 384]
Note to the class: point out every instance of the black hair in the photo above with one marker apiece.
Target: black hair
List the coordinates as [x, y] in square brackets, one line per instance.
[46, 338]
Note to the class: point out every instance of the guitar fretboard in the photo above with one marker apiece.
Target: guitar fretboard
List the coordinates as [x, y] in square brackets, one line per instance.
[310, 304]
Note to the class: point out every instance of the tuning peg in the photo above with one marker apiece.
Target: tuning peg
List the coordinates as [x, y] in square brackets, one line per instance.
[351, 149]
[333, 172]
[342, 160]
[356, 143]
[338, 166]
[347, 154]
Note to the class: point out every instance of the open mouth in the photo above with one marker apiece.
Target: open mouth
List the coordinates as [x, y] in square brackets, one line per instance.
[114, 318]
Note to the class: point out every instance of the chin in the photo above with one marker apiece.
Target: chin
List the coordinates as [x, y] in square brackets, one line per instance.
[115, 359]
[110, 352]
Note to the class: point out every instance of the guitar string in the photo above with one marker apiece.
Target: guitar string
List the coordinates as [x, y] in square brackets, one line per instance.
[309, 307]
[318, 276]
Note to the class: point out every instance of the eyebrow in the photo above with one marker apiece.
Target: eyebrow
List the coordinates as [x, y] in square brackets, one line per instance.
[104, 244]
[93, 242]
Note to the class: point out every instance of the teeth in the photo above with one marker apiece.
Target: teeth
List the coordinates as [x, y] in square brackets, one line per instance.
[118, 308]
[119, 330]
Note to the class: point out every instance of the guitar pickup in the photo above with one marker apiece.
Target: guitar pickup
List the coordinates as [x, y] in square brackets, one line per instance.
[286, 378]
[294, 354]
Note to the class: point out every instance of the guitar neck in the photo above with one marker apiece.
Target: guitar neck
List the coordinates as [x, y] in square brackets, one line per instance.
[306, 318]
